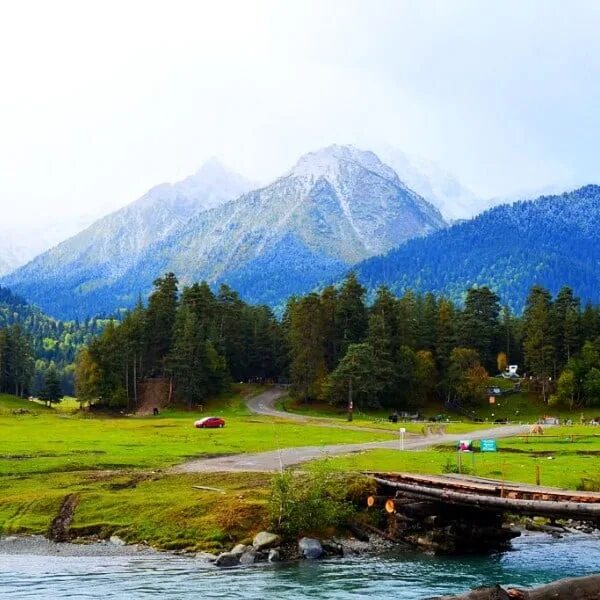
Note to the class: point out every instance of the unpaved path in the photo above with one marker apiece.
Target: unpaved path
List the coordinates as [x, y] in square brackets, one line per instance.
[264, 404]
[287, 457]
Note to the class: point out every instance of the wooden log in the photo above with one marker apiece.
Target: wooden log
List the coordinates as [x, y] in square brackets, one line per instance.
[208, 489]
[532, 507]
[377, 501]
[358, 532]
[419, 509]
[574, 588]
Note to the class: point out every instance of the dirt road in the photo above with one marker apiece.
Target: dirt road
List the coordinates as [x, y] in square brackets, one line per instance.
[286, 457]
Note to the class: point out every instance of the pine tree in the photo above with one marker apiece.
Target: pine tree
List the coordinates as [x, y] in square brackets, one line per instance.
[52, 392]
[159, 323]
[308, 369]
[379, 339]
[479, 326]
[351, 313]
[539, 349]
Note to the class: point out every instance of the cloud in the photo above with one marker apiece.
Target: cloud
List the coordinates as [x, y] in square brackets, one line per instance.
[102, 100]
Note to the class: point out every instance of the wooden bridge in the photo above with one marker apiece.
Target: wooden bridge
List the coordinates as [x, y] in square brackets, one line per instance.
[491, 494]
[455, 513]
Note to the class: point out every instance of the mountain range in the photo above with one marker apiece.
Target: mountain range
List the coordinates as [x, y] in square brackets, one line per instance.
[334, 208]
[552, 241]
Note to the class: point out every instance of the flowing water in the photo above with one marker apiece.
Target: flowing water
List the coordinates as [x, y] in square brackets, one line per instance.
[407, 576]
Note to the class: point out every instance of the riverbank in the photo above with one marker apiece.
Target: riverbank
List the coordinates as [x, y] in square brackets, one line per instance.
[536, 559]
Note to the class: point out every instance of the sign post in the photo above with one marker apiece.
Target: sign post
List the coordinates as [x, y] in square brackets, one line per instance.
[402, 432]
[488, 446]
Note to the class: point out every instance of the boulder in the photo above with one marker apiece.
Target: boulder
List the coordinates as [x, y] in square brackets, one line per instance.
[239, 549]
[227, 559]
[116, 540]
[206, 556]
[274, 555]
[249, 557]
[332, 548]
[265, 540]
[310, 548]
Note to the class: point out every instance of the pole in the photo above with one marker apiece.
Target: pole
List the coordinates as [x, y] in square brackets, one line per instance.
[537, 474]
[402, 430]
[350, 403]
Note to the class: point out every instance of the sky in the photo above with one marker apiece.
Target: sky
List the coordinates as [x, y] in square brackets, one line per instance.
[99, 101]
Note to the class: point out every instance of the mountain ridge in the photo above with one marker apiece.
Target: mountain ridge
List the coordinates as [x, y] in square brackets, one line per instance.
[551, 241]
[335, 207]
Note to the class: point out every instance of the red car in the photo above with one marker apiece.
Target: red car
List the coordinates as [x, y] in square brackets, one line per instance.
[207, 422]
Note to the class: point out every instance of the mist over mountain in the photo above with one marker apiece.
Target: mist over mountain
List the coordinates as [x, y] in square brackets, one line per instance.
[110, 246]
[334, 208]
[428, 179]
[552, 241]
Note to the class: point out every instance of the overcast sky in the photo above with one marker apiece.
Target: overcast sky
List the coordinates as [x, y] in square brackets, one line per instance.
[101, 100]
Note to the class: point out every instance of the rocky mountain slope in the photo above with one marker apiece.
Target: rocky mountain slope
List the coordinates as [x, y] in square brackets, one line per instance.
[107, 249]
[336, 207]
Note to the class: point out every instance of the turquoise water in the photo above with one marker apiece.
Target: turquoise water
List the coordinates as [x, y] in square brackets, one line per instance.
[406, 576]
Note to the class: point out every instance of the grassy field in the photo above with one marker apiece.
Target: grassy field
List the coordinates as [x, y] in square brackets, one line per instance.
[45, 441]
[165, 511]
[116, 467]
[372, 419]
[562, 462]
[523, 406]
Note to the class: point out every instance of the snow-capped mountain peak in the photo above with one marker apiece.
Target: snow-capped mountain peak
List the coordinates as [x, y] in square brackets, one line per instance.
[332, 161]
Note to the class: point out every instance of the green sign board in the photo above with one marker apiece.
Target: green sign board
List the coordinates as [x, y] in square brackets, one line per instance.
[488, 446]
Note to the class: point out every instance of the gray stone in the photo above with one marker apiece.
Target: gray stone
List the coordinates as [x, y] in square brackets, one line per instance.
[206, 556]
[332, 548]
[265, 540]
[274, 555]
[226, 559]
[249, 557]
[116, 540]
[239, 549]
[310, 548]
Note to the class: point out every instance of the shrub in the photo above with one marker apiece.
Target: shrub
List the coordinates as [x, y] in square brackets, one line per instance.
[310, 502]
[452, 467]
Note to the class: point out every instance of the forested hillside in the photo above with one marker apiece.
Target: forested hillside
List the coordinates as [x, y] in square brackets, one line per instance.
[200, 340]
[552, 241]
[401, 352]
[49, 342]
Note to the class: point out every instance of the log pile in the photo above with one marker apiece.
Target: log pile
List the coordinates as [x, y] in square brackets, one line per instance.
[442, 529]
[496, 496]
[576, 588]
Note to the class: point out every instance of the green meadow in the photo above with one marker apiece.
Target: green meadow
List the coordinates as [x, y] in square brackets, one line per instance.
[118, 468]
[567, 457]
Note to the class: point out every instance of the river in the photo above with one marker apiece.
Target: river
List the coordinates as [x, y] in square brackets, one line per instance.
[535, 559]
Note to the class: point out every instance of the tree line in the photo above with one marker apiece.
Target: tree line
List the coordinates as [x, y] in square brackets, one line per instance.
[198, 339]
[53, 343]
[399, 352]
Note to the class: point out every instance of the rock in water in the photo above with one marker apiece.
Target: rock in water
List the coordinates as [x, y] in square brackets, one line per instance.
[227, 559]
[249, 557]
[265, 540]
[310, 548]
[116, 540]
[239, 549]
[206, 556]
[274, 555]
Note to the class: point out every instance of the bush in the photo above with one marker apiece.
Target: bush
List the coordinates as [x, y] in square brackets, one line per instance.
[452, 467]
[589, 484]
[310, 502]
